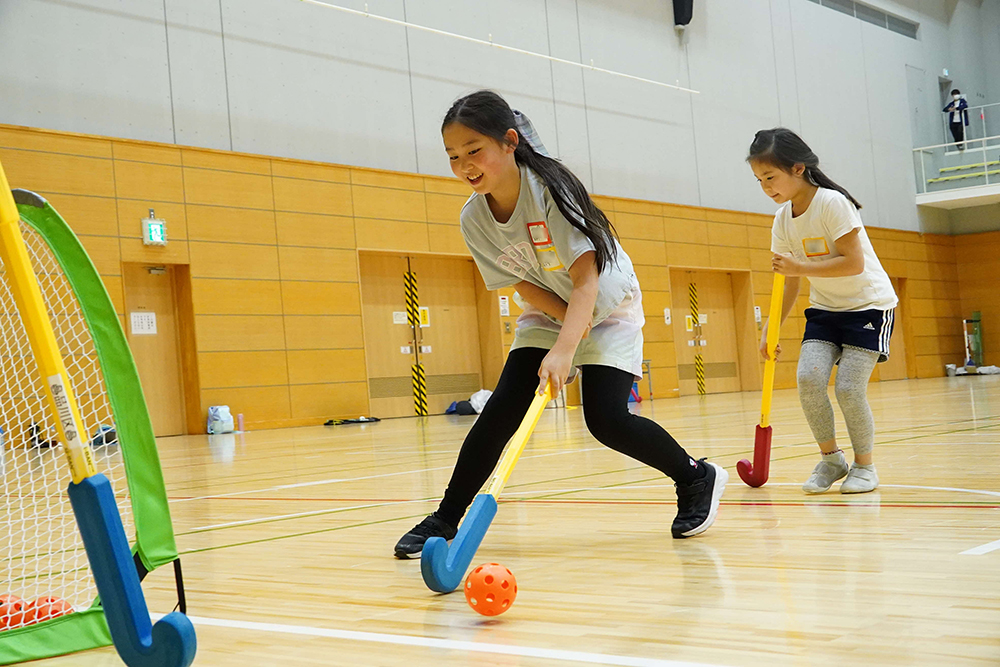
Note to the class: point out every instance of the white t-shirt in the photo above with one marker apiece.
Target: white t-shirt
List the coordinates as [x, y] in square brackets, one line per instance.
[538, 244]
[810, 237]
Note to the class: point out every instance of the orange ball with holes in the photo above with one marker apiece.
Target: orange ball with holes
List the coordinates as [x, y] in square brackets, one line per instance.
[490, 589]
[11, 612]
[44, 608]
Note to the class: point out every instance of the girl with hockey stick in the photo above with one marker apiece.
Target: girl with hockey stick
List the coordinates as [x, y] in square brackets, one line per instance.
[818, 233]
[531, 224]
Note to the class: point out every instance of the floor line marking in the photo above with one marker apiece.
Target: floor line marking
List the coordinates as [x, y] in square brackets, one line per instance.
[982, 549]
[338, 480]
[559, 453]
[335, 480]
[995, 494]
[447, 644]
[298, 515]
[539, 496]
[678, 429]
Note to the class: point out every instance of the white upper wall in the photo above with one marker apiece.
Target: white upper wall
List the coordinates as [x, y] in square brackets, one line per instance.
[990, 31]
[290, 79]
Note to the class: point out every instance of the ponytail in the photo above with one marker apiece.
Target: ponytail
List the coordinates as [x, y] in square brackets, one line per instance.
[784, 149]
[818, 178]
[573, 201]
[489, 114]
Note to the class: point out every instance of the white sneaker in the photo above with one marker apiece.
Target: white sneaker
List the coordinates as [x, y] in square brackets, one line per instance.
[824, 475]
[860, 480]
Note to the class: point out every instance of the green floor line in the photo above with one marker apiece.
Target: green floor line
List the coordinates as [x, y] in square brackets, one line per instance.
[311, 515]
[556, 494]
[302, 534]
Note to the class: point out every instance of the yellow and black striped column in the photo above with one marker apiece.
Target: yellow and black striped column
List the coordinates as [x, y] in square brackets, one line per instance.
[413, 319]
[419, 390]
[412, 299]
[699, 362]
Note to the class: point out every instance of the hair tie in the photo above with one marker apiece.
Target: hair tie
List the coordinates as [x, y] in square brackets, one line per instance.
[811, 177]
[527, 131]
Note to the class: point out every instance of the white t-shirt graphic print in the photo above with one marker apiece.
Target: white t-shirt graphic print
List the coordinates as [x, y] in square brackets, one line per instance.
[811, 237]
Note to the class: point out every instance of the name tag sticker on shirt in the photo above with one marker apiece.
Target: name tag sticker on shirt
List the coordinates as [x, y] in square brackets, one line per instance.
[815, 247]
[548, 259]
[539, 233]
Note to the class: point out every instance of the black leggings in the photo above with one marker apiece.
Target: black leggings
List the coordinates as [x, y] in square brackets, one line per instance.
[605, 407]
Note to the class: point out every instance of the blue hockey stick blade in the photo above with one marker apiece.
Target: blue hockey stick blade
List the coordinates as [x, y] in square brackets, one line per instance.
[442, 566]
[169, 643]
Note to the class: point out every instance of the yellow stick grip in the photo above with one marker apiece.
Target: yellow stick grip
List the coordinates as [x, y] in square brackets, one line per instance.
[773, 330]
[28, 297]
[518, 442]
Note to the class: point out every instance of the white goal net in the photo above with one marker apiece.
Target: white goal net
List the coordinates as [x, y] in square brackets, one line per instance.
[41, 553]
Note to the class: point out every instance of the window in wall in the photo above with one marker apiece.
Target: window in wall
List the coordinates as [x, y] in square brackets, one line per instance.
[845, 6]
[871, 15]
[902, 27]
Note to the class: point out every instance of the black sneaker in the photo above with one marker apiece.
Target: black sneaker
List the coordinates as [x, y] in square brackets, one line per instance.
[698, 502]
[412, 544]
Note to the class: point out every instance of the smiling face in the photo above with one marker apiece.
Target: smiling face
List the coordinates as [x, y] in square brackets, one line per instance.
[778, 184]
[481, 161]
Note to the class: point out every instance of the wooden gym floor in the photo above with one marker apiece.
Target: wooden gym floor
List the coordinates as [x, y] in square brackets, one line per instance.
[287, 538]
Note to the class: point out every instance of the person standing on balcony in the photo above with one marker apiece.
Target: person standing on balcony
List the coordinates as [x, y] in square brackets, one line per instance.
[958, 117]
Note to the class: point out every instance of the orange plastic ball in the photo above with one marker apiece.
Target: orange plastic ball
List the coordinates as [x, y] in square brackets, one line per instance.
[490, 589]
[11, 612]
[45, 608]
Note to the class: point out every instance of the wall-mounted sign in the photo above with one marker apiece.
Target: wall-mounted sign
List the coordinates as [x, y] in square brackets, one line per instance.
[154, 230]
[143, 323]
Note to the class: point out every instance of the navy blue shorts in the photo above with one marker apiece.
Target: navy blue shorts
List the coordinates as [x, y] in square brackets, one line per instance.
[863, 329]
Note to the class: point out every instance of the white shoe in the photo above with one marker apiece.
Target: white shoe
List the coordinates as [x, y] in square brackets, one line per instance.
[860, 480]
[825, 474]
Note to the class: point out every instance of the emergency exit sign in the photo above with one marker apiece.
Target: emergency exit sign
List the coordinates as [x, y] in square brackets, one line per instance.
[154, 230]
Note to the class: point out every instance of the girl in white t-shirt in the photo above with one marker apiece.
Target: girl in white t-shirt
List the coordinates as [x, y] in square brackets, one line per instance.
[818, 233]
[531, 224]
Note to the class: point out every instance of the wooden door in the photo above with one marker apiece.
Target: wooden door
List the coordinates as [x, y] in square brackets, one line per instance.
[152, 330]
[895, 367]
[388, 340]
[714, 337]
[449, 343]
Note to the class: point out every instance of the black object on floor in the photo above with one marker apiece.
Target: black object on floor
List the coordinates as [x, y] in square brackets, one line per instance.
[359, 420]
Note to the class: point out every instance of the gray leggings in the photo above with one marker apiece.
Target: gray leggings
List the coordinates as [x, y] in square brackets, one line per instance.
[816, 362]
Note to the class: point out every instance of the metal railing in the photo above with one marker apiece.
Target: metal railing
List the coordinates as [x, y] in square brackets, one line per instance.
[945, 167]
[983, 120]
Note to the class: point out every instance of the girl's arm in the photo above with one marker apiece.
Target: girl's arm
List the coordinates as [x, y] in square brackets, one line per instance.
[558, 362]
[850, 263]
[542, 299]
[787, 303]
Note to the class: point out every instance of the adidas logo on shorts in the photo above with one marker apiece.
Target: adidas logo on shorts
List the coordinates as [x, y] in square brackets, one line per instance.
[869, 326]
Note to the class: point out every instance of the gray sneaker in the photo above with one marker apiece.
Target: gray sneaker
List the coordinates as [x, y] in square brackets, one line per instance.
[824, 475]
[860, 480]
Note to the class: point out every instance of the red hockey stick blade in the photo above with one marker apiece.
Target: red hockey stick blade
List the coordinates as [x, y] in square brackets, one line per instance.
[756, 474]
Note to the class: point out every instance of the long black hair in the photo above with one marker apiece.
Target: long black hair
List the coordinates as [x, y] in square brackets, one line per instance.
[784, 149]
[489, 114]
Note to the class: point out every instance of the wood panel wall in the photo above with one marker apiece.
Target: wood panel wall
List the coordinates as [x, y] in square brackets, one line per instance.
[271, 245]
